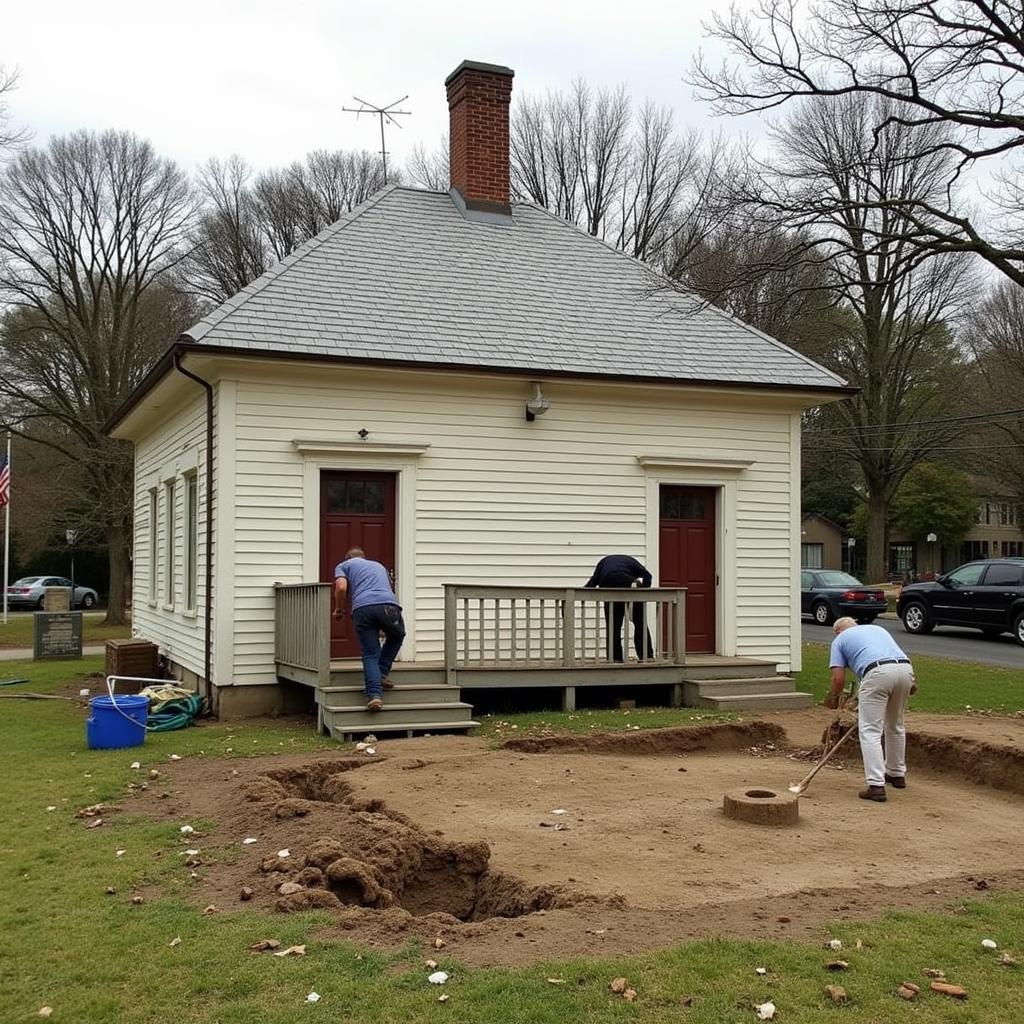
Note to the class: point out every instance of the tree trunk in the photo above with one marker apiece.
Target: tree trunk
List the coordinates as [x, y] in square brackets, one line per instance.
[118, 557]
[877, 570]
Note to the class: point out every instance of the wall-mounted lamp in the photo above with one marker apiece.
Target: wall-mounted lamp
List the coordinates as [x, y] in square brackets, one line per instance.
[537, 404]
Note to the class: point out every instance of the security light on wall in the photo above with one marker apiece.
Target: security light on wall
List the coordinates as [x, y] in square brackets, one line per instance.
[537, 405]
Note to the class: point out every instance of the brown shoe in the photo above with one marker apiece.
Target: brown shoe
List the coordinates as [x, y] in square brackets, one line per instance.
[387, 684]
[378, 705]
[876, 793]
[896, 781]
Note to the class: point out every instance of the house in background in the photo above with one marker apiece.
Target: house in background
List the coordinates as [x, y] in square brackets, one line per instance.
[998, 532]
[481, 396]
[821, 543]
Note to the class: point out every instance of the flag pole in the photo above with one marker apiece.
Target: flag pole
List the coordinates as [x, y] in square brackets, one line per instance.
[7, 527]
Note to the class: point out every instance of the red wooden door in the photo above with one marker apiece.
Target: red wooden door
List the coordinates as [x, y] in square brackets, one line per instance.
[687, 558]
[357, 510]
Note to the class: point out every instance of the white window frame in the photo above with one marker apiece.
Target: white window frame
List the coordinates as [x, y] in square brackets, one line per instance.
[154, 544]
[170, 541]
[191, 542]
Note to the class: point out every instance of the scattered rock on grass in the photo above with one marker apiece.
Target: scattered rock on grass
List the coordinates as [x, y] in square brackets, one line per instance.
[945, 989]
[908, 991]
[836, 993]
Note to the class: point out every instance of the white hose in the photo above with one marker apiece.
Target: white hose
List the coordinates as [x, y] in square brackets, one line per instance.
[112, 681]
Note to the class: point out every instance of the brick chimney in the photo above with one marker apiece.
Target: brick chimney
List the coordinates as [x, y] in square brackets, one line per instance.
[478, 99]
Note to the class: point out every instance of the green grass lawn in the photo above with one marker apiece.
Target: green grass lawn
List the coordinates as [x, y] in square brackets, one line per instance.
[95, 958]
[943, 686]
[532, 723]
[18, 631]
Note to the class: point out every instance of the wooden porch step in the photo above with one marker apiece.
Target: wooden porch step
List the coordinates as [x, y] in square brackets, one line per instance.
[403, 693]
[709, 666]
[347, 673]
[342, 733]
[417, 716]
[696, 688]
[757, 701]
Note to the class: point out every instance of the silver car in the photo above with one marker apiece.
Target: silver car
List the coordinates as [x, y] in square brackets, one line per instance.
[28, 592]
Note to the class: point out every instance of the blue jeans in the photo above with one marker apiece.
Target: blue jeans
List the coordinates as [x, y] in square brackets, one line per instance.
[370, 621]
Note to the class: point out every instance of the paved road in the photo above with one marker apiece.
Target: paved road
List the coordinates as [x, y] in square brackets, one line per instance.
[945, 642]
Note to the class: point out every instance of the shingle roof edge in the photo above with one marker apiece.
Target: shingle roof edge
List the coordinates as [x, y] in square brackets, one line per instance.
[667, 282]
[199, 330]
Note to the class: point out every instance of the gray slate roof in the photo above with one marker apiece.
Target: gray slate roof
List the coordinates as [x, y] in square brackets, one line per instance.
[406, 277]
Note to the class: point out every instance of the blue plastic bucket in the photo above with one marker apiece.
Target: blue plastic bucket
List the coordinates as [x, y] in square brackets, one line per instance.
[108, 728]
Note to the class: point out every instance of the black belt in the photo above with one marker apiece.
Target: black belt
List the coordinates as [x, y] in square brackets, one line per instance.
[884, 661]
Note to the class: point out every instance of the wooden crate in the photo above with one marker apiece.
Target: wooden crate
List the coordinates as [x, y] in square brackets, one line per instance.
[131, 658]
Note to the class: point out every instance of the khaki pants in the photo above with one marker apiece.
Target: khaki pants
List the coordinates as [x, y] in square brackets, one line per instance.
[882, 700]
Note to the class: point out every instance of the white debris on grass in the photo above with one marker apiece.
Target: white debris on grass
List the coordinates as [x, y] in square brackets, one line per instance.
[175, 757]
[189, 853]
[120, 853]
[176, 941]
[559, 810]
[761, 970]
[186, 830]
[361, 746]
[51, 808]
[135, 765]
[284, 853]
[84, 692]
[438, 977]
[313, 997]
[766, 1011]
[249, 841]
[834, 944]
[989, 944]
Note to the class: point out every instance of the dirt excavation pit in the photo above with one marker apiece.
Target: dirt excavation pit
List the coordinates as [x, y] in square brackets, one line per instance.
[598, 844]
[376, 859]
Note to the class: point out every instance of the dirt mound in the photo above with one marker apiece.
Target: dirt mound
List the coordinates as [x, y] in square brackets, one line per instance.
[377, 859]
[673, 740]
[985, 764]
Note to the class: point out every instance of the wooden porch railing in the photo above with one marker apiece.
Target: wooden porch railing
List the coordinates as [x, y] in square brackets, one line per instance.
[557, 627]
[302, 628]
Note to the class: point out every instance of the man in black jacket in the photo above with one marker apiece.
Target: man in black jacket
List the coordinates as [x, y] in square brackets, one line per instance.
[623, 571]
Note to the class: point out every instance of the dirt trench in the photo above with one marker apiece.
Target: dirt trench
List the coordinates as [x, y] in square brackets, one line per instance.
[378, 859]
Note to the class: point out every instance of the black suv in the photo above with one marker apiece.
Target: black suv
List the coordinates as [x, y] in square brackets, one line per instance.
[986, 595]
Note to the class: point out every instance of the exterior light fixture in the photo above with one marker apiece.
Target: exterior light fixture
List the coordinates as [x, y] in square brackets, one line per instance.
[537, 404]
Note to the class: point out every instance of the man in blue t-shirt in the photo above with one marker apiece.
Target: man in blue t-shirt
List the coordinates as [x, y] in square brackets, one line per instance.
[886, 683]
[375, 610]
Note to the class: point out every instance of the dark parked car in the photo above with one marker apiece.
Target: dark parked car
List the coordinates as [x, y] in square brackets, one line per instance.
[986, 595]
[827, 595]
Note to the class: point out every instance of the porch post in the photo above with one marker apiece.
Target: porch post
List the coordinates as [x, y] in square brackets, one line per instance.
[323, 635]
[680, 626]
[569, 629]
[451, 637]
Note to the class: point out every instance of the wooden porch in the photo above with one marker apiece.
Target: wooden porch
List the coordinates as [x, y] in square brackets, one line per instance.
[519, 637]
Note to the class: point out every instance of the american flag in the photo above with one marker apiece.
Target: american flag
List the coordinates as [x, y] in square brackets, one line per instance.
[5, 481]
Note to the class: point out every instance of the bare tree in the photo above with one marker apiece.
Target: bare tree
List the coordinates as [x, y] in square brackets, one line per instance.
[957, 64]
[430, 170]
[998, 344]
[10, 137]
[845, 184]
[89, 226]
[228, 246]
[250, 222]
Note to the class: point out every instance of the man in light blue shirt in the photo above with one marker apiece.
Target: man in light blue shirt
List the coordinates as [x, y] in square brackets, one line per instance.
[886, 683]
[375, 610]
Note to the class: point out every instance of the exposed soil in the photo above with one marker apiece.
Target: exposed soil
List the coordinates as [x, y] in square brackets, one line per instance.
[443, 836]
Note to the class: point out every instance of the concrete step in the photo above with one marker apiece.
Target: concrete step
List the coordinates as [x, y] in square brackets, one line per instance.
[350, 674]
[418, 693]
[693, 688]
[757, 702]
[358, 716]
[744, 668]
[342, 733]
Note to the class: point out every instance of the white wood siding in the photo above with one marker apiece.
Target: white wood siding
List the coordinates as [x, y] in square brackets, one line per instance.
[500, 500]
[171, 450]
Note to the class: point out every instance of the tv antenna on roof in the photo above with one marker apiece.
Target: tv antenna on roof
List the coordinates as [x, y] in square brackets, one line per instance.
[388, 114]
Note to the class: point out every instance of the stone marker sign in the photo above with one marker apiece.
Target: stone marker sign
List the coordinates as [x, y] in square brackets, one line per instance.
[57, 599]
[57, 635]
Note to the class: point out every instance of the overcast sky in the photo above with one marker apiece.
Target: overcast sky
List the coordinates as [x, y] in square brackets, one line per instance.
[268, 80]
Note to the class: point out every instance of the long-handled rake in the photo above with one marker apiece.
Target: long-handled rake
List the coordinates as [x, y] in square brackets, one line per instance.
[849, 703]
[800, 786]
